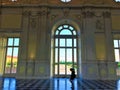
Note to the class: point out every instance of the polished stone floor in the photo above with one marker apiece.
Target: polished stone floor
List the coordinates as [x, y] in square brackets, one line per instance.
[57, 84]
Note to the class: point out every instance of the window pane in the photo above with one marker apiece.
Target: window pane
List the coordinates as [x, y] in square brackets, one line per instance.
[62, 61]
[65, 32]
[9, 51]
[62, 56]
[56, 42]
[117, 55]
[56, 69]
[57, 32]
[56, 55]
[115, 43]
[15, 52]
[75, 55]
[8, 64]
[69, 55]
[71, 28]
[74, 32]
[69, 42]
[16, 42]
[65, 26]
[62, 42]
[60, 28]
[74, 42]
[10, 41]
[62, 69]
[69, 61]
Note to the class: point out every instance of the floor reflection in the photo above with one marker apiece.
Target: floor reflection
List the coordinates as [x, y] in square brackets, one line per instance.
[9, 84]
[57, 84]
[118, 85]
[64, 84]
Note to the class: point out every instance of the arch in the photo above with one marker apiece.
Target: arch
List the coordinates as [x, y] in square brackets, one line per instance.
[76, 27]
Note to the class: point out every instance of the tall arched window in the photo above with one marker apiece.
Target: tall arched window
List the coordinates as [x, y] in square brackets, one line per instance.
[65, 50]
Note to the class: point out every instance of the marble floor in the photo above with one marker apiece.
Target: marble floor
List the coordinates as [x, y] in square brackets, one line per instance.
[57, 84]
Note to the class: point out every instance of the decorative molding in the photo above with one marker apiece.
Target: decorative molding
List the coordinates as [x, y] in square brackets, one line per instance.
[44, 11]
[99, 24]
[106, 14]
[33, 22]
[26, 13]
[66, 11]
[88, 14]
[54, 16]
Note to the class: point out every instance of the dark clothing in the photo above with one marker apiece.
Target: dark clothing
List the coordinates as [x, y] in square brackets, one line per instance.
[73, 76]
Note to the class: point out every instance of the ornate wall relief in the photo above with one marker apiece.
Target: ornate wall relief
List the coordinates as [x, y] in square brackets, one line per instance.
[106, 14]
[87, 14]
[99, 25]
[66, 12]
[33, 22]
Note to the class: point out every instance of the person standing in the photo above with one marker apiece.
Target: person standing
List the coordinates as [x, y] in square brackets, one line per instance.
[72, 76]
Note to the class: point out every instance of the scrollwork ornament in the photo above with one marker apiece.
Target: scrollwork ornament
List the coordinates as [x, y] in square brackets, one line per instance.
[44, 11]
[88, 14]
[33, 22]
[106, 14]
[26, 13]
[99, 25]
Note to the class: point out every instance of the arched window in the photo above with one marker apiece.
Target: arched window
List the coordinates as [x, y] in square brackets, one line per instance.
[65, 50]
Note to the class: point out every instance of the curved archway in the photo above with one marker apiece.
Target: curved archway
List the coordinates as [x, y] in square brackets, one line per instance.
[65, 53]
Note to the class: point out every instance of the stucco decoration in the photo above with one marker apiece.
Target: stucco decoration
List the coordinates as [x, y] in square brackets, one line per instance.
[33, 22]
[99, 24]
[106, 14]
[87, 14]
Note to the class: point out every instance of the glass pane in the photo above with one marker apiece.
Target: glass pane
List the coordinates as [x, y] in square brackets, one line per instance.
[10, 41]
[56, 42]
[119, 43]
[69, 55]
[115, 43]
[74, 42]
[59, 28]
[117, 55]
[56, 55]
[15, 52]
[69, 42]
[62, 56]
[8, 65]
[62, 61]
[65, 26]
[75, 67]
[62, 42]
[56, 69]
[8, 60]
[57, 32]
[65, 32]
[9, 52]
[16, 42]
[14, 60]
[71, 28]
[75, 55]
[69, 61]
[62, 69]
[74, 32]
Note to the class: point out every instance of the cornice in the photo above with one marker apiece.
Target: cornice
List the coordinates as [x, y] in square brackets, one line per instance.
[62, 6]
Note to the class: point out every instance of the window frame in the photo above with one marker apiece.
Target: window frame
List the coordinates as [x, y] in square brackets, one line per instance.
[13, 46]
